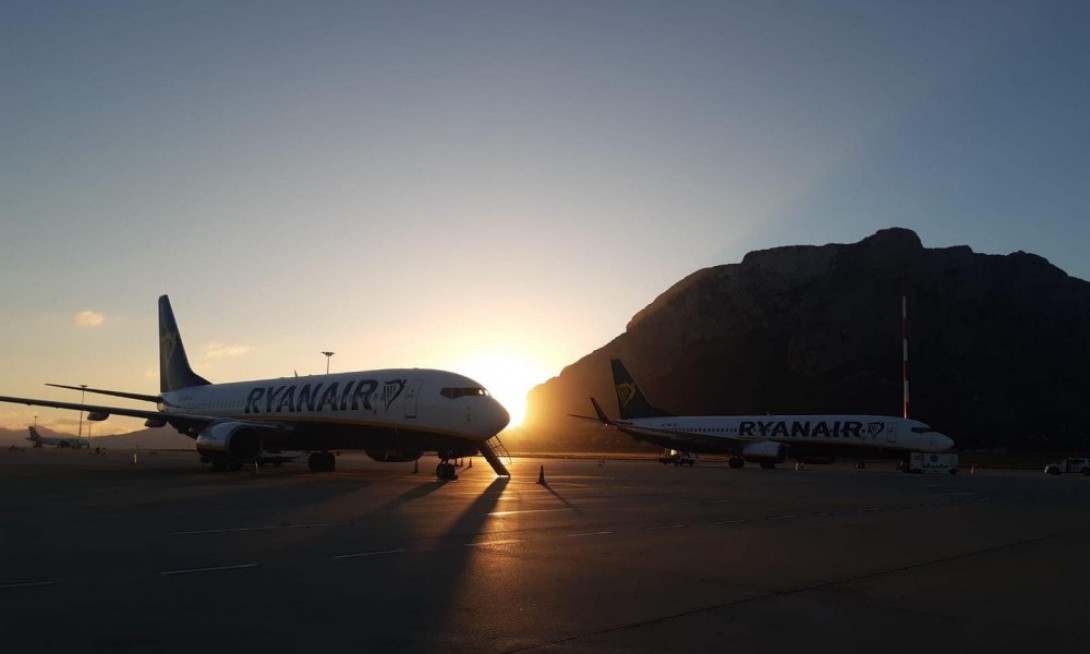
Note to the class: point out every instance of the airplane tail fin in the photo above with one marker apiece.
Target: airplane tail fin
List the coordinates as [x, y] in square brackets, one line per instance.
[34, 435]
[630, 399]
[174, 370]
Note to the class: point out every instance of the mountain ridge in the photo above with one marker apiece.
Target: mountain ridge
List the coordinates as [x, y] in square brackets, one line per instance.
[996, 343]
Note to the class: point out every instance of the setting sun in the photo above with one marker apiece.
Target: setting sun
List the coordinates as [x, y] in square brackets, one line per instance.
[507, 373]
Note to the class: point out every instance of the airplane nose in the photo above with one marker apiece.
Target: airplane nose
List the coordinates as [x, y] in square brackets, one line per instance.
[498, 418]
[942, 443]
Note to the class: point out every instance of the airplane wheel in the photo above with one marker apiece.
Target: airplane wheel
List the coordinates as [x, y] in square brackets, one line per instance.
[331, 462]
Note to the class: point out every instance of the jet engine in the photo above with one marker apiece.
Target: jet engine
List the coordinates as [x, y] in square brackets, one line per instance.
[236, 439]
[394, 456]
[765, 452]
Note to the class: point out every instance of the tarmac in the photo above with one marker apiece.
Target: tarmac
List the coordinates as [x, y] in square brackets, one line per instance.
[98, 553]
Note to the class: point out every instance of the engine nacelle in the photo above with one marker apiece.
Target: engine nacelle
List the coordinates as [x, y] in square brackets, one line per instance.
[394, 456]
[765, 452]
[235, 439]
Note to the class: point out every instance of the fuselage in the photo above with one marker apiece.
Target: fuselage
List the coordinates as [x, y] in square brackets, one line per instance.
[417, 400]
[843, 432]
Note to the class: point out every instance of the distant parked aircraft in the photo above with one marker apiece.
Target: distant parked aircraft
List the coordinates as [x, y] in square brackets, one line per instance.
[766, 439]
[55, 441]
[393, 415]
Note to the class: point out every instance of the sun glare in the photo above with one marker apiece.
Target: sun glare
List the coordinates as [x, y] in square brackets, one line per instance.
[508, 374]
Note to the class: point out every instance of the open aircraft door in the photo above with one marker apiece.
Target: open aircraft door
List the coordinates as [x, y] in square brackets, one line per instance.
[411, 394]
[891, 432]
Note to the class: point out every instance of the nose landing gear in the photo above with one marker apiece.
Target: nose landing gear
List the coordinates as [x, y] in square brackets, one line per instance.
[445, 471]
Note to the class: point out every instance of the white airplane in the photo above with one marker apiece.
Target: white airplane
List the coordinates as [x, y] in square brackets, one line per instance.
[55, 441]
[767, 440]
[393, 415]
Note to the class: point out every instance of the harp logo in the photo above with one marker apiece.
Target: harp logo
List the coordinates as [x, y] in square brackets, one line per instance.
[625, 393]
[875, 428]
[168, 342]
[391, 390]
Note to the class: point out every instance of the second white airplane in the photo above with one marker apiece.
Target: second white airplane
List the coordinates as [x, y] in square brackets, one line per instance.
[54, 441]
[393, 415]
[766, 439]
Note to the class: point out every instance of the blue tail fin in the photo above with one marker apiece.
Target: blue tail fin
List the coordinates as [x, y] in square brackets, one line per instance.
[630, 399]
[174, 370]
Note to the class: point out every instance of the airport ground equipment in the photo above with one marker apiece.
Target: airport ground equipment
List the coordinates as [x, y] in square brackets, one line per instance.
[1070, 464]
[678, 458]
[932, 462]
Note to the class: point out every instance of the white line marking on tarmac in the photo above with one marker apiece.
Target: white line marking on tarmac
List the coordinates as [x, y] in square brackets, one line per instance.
[494, 542]
[267, 528]
[661, 527]
[187, 571]
[783, 517]
[591, 533]
[729, 522]
[514, 511]
[27, 584]
[362, 554]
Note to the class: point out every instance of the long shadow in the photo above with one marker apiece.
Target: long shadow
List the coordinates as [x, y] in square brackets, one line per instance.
[415, 493]
[565, 502]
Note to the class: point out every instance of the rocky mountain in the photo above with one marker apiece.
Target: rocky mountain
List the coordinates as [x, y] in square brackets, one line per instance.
[999, 345]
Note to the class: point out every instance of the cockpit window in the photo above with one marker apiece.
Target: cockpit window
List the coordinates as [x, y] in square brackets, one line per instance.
[454, 393]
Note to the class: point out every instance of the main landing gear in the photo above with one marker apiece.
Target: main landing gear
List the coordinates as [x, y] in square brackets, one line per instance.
[322, 462]
[225, 465]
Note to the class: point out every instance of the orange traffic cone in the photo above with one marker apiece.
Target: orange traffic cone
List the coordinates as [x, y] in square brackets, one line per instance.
[470, 464]
[541, 476]
[416, 467]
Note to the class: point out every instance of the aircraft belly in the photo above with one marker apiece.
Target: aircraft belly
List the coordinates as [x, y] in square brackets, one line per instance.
[354, 437]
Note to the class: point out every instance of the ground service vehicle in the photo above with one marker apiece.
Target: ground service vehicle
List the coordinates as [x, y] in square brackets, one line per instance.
[931, 462]
[678, 458]
[1070, 464]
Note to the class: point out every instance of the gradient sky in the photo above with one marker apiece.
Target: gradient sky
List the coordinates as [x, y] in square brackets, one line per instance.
[490, 187]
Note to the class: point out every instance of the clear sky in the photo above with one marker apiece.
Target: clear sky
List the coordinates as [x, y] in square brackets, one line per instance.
[490, 187]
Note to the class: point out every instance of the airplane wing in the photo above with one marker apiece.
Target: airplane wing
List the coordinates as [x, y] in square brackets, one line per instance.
[106, 411]
[600, 416]
[102, 391]
[683, 440]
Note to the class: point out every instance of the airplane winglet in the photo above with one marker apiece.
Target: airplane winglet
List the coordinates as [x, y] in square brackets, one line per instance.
[601, 414]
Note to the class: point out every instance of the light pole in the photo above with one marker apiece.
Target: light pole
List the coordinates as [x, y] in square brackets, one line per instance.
[328, 356]
[82, 394]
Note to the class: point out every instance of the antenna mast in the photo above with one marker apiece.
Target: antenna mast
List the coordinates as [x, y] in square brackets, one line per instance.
[904, 348]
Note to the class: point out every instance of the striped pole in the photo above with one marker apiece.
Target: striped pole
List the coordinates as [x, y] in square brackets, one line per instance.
[904, 347]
